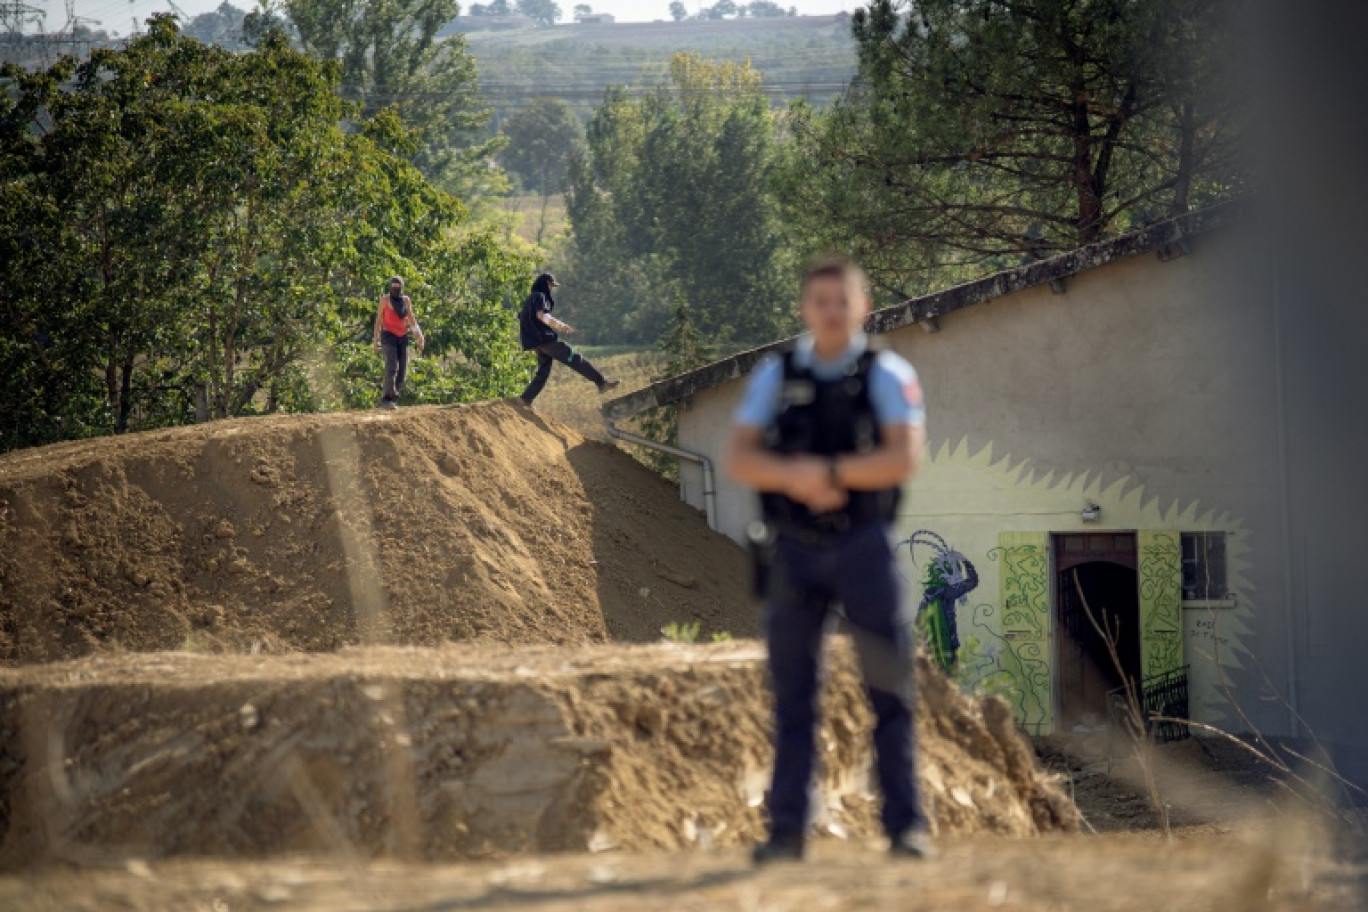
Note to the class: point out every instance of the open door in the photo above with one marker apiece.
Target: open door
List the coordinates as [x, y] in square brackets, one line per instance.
[1161, 601]
[1026, 625]
[1097, 589]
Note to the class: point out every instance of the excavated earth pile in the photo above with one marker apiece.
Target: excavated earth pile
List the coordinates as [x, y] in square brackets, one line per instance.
[459, 752]
[316, 532]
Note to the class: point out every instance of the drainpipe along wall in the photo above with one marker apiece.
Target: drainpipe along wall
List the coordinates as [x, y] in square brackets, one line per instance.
[709, 487]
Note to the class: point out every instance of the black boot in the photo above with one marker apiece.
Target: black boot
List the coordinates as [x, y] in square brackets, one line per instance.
[778, 848]
[914, 843]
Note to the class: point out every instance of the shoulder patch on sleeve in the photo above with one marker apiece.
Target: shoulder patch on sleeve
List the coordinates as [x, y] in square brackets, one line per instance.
[905, 375]
[912, 392]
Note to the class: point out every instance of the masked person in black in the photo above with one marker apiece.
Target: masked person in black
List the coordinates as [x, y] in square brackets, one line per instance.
[393, 322]
[828, 432]
[539, 331]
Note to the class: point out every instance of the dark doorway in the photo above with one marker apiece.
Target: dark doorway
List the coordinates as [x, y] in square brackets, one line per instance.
[1105, 569]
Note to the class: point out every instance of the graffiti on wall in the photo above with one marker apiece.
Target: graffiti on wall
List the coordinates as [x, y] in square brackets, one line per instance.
[1024, 558]
[1015, 669]
[1161, 601]
[947, 580]
[993, 654]
[965, 487]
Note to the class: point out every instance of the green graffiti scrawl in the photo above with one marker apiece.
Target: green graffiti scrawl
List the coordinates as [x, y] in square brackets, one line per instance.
[1025, 560]
[1025, 587]
[1161, 601]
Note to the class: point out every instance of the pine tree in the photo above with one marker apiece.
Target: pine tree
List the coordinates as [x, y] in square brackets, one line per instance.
[684, 348]
[682, 344]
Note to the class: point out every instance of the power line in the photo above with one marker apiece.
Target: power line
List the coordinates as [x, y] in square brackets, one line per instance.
[16, 16]
[596, 93]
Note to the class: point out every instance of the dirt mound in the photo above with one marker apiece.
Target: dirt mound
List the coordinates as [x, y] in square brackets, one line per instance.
[315, 532]
[456, 752]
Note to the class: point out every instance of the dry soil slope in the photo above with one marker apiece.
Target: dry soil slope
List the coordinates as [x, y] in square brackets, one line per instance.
[314, 532]
[463, 752]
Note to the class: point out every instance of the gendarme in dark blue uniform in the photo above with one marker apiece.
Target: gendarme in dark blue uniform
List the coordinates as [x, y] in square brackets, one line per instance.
[806, 406]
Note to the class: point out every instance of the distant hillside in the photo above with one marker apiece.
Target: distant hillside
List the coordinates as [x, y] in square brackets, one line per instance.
[695, 33]
[800, 57]
[809, 57]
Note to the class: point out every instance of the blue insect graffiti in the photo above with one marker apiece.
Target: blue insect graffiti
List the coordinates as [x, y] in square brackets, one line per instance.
[948, 579]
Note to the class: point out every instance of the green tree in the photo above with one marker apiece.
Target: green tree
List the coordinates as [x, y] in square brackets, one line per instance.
[721, 10]
[223, 26]
[543, 12]
[390, 56]
[674, 191]
[541, 139]
[583, 9]
[982, 133]
[765, 9]
[685, 349]
[678, 11]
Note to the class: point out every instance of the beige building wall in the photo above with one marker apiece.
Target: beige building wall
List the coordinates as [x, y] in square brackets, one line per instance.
[1148, 388]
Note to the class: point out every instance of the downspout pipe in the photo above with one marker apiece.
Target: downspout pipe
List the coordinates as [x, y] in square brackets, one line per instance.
[709, 485]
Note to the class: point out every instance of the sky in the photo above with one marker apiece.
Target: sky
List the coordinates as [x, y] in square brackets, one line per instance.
[118, 15]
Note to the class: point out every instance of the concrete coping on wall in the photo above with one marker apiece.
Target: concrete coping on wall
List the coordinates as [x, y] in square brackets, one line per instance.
[1169, 238]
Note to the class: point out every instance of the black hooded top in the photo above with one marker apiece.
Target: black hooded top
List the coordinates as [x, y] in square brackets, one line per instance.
[532, 332]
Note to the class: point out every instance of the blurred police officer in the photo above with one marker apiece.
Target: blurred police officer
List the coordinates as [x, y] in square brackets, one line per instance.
[828, 432]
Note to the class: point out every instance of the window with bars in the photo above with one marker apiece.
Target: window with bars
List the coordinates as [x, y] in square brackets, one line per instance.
[1204, 567]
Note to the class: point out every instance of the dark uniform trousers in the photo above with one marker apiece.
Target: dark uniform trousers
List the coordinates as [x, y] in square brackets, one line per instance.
[858, 570]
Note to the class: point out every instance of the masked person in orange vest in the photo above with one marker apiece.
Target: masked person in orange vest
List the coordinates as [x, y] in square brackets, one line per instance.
[393, 322]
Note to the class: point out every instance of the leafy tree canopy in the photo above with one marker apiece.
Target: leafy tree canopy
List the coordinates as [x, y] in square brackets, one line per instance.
[542, 138]
[673, 193]
[544, 12]
[390, 57]
[981, 133]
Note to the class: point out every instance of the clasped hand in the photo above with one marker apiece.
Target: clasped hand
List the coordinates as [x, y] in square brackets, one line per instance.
[809, 483]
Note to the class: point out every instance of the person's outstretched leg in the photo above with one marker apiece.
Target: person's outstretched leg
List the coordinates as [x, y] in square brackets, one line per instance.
[871, 591]
[578, 363]
[539, 379]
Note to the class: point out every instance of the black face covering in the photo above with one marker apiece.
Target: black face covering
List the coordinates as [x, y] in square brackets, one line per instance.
[397, 302]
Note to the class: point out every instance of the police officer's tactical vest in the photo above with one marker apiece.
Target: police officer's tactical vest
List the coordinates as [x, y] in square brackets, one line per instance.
[826, 418]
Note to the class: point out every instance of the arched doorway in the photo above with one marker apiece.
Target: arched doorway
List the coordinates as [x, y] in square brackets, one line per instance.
[1101, 569]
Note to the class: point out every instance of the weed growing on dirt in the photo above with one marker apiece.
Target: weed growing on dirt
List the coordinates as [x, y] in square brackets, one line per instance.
[195, 642]
[686, 632]
[690, 631]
